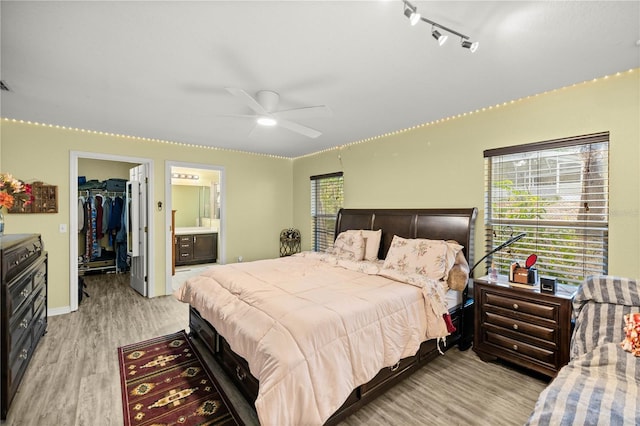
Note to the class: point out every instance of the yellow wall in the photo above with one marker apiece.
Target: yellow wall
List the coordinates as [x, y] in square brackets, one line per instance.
[257, 207]
[441, 164]
[435, 165]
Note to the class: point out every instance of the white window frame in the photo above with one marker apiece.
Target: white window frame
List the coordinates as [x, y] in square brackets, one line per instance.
[560, 198]
[324, 213]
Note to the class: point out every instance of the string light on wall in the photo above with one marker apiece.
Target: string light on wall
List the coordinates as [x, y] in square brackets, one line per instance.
[411, 12]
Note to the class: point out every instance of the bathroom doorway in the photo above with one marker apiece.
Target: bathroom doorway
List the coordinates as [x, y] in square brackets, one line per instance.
[195, 219]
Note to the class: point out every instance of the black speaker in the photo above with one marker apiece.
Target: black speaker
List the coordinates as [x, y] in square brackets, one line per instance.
[547, 285]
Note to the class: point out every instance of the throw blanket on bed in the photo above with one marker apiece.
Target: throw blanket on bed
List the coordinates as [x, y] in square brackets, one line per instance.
[310, 331]
[599, 386]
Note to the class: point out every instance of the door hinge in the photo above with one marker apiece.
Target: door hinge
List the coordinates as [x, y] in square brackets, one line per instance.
[145, 229]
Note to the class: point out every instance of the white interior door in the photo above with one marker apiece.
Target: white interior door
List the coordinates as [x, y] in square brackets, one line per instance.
[136, 215]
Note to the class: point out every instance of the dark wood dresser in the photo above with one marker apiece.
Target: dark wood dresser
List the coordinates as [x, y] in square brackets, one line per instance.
[24, 307]
[522, 325]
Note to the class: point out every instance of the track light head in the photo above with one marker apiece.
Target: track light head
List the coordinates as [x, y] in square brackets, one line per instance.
[471, 46]
[411, 12]
[442, 38]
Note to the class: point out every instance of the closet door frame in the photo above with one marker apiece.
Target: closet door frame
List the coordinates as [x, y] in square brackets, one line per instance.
[74, 156]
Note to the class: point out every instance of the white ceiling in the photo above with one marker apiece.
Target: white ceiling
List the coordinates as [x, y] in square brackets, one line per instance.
[158, 69]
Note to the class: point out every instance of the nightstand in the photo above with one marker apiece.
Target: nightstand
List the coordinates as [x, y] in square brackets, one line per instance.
[522, 325]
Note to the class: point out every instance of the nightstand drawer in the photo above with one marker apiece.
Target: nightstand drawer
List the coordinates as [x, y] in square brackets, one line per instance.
[518, 347]
[517, 305]
[544, 333]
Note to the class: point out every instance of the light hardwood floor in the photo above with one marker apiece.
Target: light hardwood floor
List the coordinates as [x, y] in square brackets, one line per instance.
[73, 376]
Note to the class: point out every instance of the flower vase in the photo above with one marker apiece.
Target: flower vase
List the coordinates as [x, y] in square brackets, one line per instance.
[1, 222]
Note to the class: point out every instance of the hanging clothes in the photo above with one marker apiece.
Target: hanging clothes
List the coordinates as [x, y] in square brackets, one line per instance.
[115, 218]
[121, 241]
[99, 230]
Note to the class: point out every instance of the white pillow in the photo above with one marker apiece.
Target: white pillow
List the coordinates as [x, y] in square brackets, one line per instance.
[418, 256]
[349, 245]
[372, 243]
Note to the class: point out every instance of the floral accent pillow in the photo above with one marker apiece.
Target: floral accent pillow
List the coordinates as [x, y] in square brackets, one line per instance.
[631, 342]
[371, 241]
[349, 246]
[418, 256]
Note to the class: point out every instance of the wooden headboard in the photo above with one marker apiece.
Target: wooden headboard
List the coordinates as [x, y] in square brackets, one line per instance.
[433, 224]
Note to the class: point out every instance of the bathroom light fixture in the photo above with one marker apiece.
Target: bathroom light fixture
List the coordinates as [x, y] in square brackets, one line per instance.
[411, 12]
[184, 176]
[442, 38]
[267, 121]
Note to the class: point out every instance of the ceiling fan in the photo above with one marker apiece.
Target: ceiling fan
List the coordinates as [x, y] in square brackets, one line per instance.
[265, 105]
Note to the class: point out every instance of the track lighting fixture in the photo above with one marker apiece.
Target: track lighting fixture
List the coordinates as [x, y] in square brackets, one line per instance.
[469, 45]
[442, 38]
[411, 12]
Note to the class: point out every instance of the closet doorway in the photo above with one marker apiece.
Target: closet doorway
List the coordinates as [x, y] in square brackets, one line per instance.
[98, 169]
[195, 219]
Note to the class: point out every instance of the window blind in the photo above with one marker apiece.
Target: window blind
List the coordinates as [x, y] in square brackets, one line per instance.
[558, 193]
[327, 197]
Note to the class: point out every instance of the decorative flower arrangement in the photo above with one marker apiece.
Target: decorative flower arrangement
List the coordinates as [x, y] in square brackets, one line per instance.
[13, 190]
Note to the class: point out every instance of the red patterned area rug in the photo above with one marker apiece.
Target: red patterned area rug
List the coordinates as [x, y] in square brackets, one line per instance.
[165, 382]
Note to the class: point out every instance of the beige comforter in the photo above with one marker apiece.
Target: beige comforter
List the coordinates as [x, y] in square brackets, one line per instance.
[312, 330]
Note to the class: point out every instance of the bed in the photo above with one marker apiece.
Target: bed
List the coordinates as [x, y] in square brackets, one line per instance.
[599, 385]
[305, 350]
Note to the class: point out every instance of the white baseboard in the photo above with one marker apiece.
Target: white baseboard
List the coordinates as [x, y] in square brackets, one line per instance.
[58, 311]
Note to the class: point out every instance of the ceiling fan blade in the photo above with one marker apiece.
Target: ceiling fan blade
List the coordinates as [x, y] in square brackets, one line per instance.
[237, 115]
[304, 112]
[248, 99]
[299, 128]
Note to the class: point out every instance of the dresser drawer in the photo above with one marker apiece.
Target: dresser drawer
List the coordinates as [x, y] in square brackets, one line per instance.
[19, 326]
[517, 347]
[514, 325]
[39, 324]
[16, 259]
[520, 306]
[39, 297]
[18, 361]
[19, 291]
[40, 275]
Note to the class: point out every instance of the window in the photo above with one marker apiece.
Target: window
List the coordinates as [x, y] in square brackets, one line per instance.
[557, 192]
[326, 199]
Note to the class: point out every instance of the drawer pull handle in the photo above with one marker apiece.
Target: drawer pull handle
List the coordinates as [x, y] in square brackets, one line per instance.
[515, 347]
[395, 366]
[24, 323]
[515, 306]
[24, 354]
[515, 326]
[240, 374]
[25, 292]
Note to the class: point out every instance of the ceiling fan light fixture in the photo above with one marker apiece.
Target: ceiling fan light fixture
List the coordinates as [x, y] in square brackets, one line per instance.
[267, 121]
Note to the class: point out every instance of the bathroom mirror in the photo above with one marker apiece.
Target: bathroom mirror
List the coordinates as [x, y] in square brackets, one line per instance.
[195, 206]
